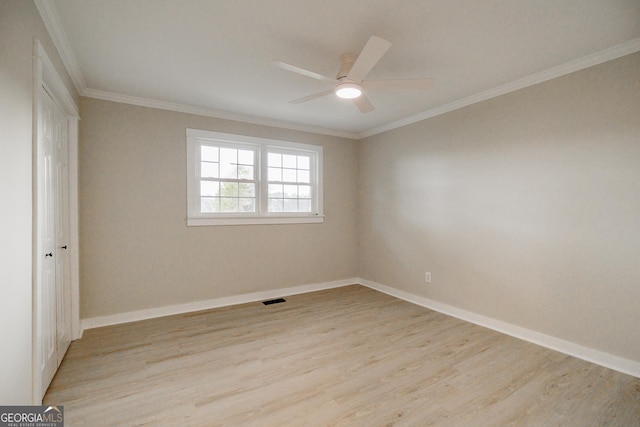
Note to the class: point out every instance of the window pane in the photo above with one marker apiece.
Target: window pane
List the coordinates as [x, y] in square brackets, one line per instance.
[289, 161]
[229, 189]
[303, 162]
[275, 159]
[228, 155]
[304, 205]
[232, 164]
[275, 190]
[303, 176]
[228, 204]
[290, 205]
[275, 174]
[209, 188]
[247, 204]
[245, 157]
[246, 190]
[289, 175]
[304, 191]
[208, 154]
[245, 172]
[275, 205]
[208, 170]
[228, 171]
[291, 191]
[209, 204]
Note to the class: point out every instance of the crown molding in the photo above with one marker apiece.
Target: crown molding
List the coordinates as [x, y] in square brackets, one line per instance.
[209, 112]
[618, 51]
[51, 19]
[600, 57]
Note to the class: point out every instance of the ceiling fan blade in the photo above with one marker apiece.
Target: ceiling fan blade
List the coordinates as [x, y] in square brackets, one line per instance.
[368, 58]
[310, 97]
[302, 71]
[426, 83]
[363, 104]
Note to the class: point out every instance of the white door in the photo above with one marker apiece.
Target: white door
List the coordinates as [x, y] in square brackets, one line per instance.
[62, 236]
[47, 360]
[55, 292]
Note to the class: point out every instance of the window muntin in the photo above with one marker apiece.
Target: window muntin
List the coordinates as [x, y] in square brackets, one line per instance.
[234, 179]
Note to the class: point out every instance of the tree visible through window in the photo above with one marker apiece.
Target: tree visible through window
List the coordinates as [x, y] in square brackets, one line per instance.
[227, 179]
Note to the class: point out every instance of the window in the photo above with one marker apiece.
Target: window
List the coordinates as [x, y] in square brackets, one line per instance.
[234, 179]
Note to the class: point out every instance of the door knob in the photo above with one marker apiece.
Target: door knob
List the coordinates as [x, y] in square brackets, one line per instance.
[63, 247]
[49, 254]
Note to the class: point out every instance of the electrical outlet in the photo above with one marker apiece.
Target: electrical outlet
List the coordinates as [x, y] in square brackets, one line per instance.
[427, 277]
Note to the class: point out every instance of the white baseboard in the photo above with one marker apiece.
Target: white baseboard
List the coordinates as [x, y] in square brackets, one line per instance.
[151, 313]
[601, 358]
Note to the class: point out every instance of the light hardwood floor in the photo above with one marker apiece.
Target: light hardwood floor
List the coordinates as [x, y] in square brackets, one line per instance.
[343, 357]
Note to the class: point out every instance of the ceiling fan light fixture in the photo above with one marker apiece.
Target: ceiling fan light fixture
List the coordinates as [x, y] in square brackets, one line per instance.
[348, 90]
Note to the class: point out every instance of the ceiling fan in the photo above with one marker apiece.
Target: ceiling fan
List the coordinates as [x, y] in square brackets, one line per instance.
[349, 82]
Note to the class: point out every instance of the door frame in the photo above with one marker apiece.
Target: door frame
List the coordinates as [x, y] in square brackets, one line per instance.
[45, 74]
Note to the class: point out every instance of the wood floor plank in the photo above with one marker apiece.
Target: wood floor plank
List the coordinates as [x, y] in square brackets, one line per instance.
[342, 357]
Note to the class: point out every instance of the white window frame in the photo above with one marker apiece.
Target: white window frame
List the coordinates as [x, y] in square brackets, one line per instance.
[196, 138]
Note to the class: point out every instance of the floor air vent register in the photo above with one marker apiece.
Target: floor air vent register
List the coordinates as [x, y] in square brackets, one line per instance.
[274, 301]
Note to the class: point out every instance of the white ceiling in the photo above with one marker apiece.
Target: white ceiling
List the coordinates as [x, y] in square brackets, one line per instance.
[213, 56]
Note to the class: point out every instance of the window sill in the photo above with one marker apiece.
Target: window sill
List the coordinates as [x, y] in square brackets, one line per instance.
[307, 219]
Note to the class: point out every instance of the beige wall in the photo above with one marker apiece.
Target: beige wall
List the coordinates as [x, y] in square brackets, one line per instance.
[525, 208]
[20, 23]
[138, 253]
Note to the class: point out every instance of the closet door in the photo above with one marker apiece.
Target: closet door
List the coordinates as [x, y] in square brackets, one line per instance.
[62, 258]
[53, 292]
[55, 255]
[45, 298]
